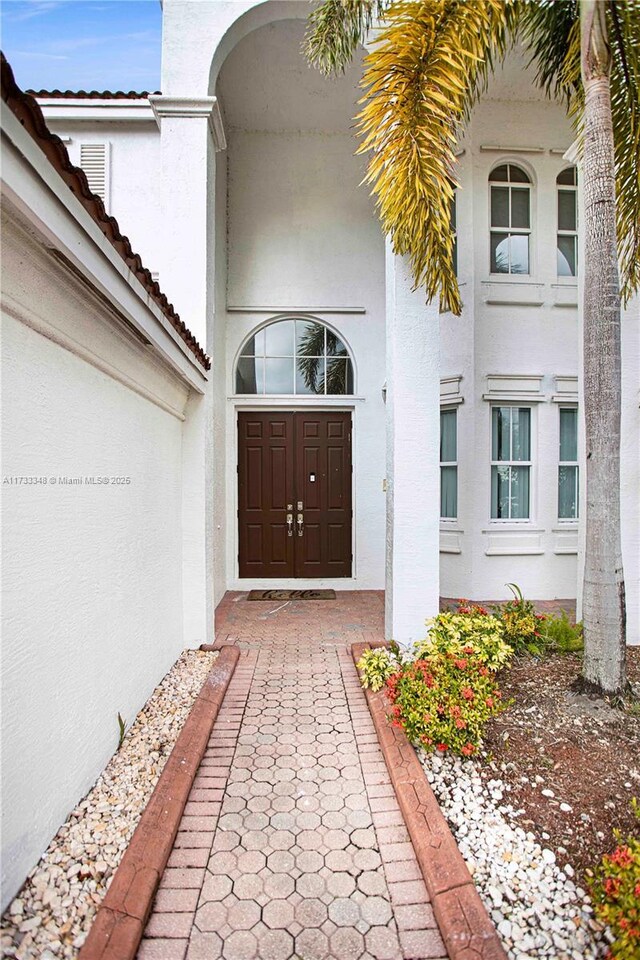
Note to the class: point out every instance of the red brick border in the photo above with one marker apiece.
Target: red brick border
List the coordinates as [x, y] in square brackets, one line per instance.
[467, 930]
[119, 924]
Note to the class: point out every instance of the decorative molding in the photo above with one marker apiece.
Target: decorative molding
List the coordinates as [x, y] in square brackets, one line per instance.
[495, 148]
[514, 387]
[513, 293]
[513, 543]
[297, 310]
[204, 107]
[566, 389]
[565, 294]
[292, 400]
[450, 540]
[96, 111]
[450, 391]
[565, 539]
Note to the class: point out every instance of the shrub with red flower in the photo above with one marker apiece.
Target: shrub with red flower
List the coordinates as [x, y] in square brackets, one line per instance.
[437, 703]
[615, 888]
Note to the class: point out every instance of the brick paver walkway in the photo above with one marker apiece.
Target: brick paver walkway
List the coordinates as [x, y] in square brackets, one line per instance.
[292, 844]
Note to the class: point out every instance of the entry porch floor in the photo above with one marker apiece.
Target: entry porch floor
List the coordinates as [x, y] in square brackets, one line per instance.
[292, 844]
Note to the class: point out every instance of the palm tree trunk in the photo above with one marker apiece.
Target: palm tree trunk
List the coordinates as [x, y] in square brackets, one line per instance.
[603, 598]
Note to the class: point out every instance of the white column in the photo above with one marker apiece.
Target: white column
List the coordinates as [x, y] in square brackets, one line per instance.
[413, 442]
[191, 132]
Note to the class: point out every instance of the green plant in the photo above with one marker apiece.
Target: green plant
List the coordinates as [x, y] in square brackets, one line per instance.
[122, 728]
[469, 632]
[520, 621]
[615, 889]
[444, 700]
[375, 667]
[559, 635]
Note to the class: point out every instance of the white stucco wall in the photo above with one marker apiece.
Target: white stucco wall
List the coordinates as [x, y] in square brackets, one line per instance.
[92, 574]
[510, 326]
[133, 175]
[302, 237]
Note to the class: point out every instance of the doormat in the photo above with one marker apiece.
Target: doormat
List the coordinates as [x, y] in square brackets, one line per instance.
[291, 595]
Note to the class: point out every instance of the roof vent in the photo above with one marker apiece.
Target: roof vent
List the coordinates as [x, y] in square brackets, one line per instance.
[94, 162]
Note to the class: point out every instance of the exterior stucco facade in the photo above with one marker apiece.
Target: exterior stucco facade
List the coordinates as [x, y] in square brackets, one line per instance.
[240, 188]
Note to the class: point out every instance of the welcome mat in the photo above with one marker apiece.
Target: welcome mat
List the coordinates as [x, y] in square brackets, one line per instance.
[291, 595]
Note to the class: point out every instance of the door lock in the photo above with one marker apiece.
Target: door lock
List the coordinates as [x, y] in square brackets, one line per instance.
[290, 524]
[300, 524]
[300, 505]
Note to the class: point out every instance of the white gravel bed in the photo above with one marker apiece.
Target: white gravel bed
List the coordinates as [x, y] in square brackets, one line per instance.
[536, 906]
[52, 914]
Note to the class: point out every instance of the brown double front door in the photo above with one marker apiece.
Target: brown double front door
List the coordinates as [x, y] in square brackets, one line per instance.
[294, 494]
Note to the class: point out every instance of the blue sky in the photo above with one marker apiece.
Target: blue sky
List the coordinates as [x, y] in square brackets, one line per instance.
[83, 44]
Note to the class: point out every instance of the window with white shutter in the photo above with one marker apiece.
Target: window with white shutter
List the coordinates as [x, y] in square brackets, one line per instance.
[94, 160]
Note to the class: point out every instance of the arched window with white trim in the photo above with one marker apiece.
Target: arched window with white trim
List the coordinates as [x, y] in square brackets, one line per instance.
[510, 188]
[295, 356]
[567, 183]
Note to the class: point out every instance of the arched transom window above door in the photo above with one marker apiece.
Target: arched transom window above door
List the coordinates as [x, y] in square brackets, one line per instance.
[296, 356]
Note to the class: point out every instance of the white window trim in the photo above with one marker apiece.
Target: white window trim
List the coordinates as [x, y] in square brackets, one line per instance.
[568, 521]
[450, 408]
[521, 277]
[515, 521]
[567, 233]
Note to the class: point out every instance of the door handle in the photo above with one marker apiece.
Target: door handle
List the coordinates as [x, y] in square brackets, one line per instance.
[290, 524]
[300, 524]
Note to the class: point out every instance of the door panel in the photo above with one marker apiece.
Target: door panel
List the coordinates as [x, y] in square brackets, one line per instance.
[265, 487]
[323, 485]
[294, 458]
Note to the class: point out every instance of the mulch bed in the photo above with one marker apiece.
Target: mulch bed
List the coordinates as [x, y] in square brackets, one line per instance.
[582, 749]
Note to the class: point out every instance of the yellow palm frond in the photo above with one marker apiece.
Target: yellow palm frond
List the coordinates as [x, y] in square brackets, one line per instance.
[424, 72]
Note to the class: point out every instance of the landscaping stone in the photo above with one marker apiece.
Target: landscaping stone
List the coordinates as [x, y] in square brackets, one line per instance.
[539, 912]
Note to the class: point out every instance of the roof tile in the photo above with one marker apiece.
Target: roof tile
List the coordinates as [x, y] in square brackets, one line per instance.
[29, 114]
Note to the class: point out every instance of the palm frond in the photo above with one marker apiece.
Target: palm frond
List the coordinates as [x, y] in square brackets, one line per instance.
[336, 28]
[549, 30]
[624, 31]
[552, 31]
[426, 69]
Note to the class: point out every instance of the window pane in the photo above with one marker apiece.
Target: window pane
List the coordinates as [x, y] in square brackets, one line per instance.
[519, 250]
[310, 338]
[519, 493]
[501, 427]
[254, 346]
[566, 256]
[499, 253]
[520, 207]
[449, 492]
[517, 175]
[278, 375]
[566, 210]
[568, 434]
[448, 439]
[338, 376]
[499, 206]
[520, 433]
[249, 375]
[567, 493]
[500, 173]
[568, 176]
[279, 339]
[500, 492]
[335, 346]
[310, 375]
